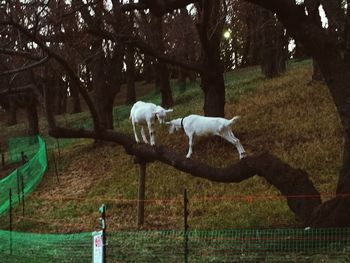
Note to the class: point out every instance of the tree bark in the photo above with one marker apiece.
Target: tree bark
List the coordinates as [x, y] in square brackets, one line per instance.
[213, 87]
[33, 121]
[273, 54]
[164, 84]
[148, 74]
[12, 110]
[130, 75]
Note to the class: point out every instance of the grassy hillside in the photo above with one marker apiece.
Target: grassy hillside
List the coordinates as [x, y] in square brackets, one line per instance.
[287, 115]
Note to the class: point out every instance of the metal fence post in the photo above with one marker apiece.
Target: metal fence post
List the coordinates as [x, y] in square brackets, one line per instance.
[10, 218]
[22, 191]
[186, 213]
[18, 187]
[103, 225]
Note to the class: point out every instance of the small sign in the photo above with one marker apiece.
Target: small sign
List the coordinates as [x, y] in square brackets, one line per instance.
[97, 247]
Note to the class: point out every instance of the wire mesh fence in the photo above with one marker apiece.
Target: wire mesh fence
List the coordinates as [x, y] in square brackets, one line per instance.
[242, 245]
[24, 180]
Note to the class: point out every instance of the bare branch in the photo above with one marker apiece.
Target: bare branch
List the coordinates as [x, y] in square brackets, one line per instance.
[65, 65]
[24, 54]
[158, 7]
[144, 47]
[30, 66]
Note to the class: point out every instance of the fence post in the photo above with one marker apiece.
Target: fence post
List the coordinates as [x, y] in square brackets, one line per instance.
[18, 187]
[103, 225]
[22, 188]
[141, 194]
[186, 213]
[10, 218]
[24, 158]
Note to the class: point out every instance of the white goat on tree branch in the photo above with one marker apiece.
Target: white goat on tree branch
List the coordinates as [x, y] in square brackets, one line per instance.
[145, 113]
[204, 126]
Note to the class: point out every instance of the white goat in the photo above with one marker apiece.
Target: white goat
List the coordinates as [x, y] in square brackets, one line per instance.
[202, 126]
[144, 113]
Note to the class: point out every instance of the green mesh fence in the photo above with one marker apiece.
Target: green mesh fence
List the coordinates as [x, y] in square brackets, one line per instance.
[26, 145]
[268, 245]
[36, 248]
[24, 180]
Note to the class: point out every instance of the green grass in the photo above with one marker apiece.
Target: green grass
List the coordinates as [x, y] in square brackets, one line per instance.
[287, 116]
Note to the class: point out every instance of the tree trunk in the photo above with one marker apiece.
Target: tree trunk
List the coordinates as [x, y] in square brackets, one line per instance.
[148, 74]
[76, 98]
[33, 122]
[12, 112]
[316, 72]
[130, 76]
[164, 84]
[105, 110]
[161, 69]
[181, 80]
[213, 87]
[273, 57]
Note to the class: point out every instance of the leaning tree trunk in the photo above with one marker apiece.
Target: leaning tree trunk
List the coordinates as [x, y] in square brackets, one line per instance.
[336, 212]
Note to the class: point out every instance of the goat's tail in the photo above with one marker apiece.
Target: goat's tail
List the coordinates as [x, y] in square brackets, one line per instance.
[234, 120]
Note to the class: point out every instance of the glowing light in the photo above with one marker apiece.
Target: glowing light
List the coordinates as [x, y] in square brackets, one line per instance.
[227, 34]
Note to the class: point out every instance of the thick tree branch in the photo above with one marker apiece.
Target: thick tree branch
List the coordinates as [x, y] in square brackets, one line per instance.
[289, 181]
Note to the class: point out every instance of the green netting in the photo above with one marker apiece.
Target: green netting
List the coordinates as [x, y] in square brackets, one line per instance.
[268, 245]
[18, 145]
[36, 248]
[24, 180]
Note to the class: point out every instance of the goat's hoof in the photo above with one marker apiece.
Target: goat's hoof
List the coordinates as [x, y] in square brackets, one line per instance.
[188, 156]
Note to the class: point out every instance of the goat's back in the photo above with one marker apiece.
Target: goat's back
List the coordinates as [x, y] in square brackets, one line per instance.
[202, 125]
[142, 111]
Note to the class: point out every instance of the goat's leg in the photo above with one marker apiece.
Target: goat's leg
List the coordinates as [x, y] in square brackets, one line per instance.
[133, 127]
[143, 134]
[229, 136]
[151, 133]
[190, 143]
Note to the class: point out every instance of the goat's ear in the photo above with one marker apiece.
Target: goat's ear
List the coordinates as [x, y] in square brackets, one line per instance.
[169, 110]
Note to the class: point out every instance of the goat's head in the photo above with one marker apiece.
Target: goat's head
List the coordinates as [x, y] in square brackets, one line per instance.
[161, 113]
[174, 125]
